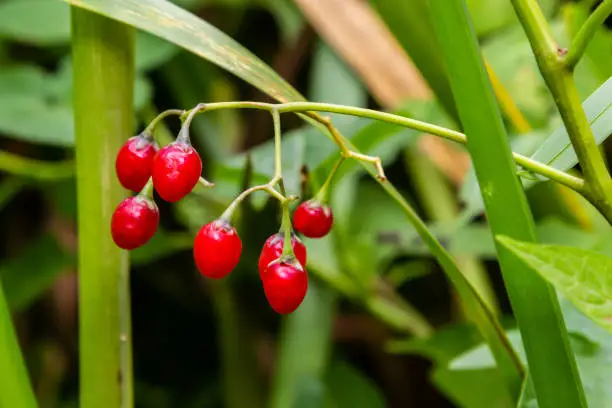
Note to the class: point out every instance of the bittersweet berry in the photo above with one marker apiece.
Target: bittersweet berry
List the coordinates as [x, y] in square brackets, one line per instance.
[273, 249]
[134, 222]
[313, 219]
[285, 284]
[176, 170]
[134, 162]
[217, 249]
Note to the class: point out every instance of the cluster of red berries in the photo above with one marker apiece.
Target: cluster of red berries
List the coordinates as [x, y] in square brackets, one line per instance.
[174, 171]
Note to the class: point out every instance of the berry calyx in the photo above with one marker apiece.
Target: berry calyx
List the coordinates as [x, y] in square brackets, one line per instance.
[273, 249]
[285, 284]
[217, 249]
[134, 222]
[176, 170]
[135, 161]
[313, 219]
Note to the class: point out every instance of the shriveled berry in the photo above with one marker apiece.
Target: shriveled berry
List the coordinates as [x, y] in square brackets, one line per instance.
[134, 222]
[313, 219]
[217, 249]
[176, 170]
[134, 162]
[285, 285]
[273, 248]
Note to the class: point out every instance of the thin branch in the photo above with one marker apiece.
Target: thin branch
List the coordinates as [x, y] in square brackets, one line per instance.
[586, 33]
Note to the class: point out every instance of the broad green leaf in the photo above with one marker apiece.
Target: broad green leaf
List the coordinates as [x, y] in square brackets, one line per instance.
[472, 388]
[27, 276]
[37, 106]
[38, 22]
[592, 346]
[585, 277]
[172, 23]
[349, 388]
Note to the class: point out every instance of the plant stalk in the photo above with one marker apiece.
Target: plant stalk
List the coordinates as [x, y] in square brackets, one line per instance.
[15, 387]
[581, 41]
[551, 361]
[560, 81]
[103, 60]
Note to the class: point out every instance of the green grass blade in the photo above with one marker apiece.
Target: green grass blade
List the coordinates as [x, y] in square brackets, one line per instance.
[15, 388]
[172, 23]
[103, 83]
[551, 361]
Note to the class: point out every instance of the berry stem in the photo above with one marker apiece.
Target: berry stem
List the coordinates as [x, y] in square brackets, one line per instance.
[323, 194]
[286, 229]
[205, 183]
[308, 108]
[268, 188]
[147, 190]
[187, 117]
[150, 130]
[278, 161]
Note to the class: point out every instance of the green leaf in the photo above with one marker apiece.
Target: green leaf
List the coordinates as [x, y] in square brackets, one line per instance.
[472, 388]
[349, 388]
[591, 344]
[170, 22]
[37, 22]
[585, 277]
[37, 107]
[27, 276]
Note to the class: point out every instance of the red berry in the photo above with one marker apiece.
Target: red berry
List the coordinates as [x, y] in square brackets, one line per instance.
[312, 219]
[217, 249]
[134, 222]
[285, 285]
[134, 162]
[273, 248]
[176, 170]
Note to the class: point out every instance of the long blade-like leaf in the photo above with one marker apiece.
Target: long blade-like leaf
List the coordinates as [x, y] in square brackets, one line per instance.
[172, 23]
[550, 358]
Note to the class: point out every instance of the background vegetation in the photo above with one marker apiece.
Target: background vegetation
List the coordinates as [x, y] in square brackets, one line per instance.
[381, 326]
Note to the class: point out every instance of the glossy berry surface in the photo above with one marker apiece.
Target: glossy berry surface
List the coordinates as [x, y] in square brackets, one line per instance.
[134, 162]
[312, 219]
[285, 286]
[273, 248]
[134, 222]
[217, 249]
[176, 170]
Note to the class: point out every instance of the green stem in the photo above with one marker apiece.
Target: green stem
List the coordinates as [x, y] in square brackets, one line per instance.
[560, 81]
[323, 194]
[278, 149]
[103, 60]
[150, 129]
[287, 231]
[575, 183]
[268, 188]
[440, 205]
[534, 302]
[15, 387]
[586, 33]
[35, 169]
